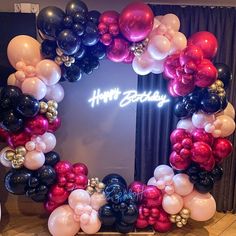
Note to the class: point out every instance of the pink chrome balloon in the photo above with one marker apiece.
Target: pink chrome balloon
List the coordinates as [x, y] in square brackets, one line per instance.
[23, 48]
[202, 206]
[136, 21]
[61, 222]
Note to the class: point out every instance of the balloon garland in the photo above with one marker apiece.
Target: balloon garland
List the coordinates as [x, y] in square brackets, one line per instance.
[73, 43]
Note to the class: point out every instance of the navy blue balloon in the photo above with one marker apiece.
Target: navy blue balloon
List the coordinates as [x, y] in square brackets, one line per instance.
[68, 42]
[94, 16]
[107, 215]
[114, 178]
[50, 22]
[91, 34]
[74, 6]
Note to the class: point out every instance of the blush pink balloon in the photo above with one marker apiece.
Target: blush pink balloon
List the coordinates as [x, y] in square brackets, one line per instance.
[178, 42]
[182, 185]
[78, 196]
[13, 81]
[200, 119]
[227, 127]
[34, 160]
[94, 224]
[171, 21]
[23, 48]
[152, 181]
[186, 124]
[158, 66]
[50, 141]
[202, 206]
[228, 111]
[143, 65]
[61, 222]
[172, 204]
[163, 170]
[34, 87]
[48, 71]
[55, 92]
[98, 200]
[158, 47]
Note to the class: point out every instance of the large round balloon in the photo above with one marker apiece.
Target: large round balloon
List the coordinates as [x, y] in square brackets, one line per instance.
[136, 21]
[50, 22]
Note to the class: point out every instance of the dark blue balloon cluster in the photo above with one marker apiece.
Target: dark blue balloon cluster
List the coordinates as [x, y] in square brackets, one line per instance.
[34, 184]
[201, 99]
[121, 210]
[15, 108]
[71, 38]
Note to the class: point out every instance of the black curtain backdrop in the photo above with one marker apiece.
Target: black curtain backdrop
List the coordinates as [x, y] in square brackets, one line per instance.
[154, 125]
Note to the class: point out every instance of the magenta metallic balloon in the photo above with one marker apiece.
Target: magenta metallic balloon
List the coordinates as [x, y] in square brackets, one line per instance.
[136, 21]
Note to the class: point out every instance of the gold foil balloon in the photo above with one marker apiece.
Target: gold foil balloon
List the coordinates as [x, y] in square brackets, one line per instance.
[49, 109]
[218, 87]
[181, 218]
[63, 59]
[16, 157]
[94, 185]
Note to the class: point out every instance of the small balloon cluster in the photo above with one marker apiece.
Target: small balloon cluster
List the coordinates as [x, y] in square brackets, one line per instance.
[69, 177]
[151, 213]
[34, 184]
[121, 210]
[179, 194]
[71, 38]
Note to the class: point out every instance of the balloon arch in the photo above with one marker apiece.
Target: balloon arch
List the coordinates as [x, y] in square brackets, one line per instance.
[73, 43]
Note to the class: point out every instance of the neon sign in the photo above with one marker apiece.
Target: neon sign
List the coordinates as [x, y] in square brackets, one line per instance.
[127, 97]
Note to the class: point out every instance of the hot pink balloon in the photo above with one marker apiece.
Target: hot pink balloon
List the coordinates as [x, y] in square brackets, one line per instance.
[23, 48]
[172, 204]
[136, 21]
[159, 47]
[50, 141]
[98, 200]
[94, 224]
[55, 92]
[163, 170]
[61, 222]
[171, 21]
[34, 160]
[48, 71]
[79, 196]
[182, 185]
[202, 206]
[35, 87]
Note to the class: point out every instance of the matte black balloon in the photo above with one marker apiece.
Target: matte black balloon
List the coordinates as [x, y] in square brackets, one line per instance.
[114, 192]
[106, 215]
[16, 181]
[74, 6]
[48, 49]
[130, 215]
[72, 73]
[91, 34]
[46, 175]
[50, 22]
[211, 103]
[114, 178]
[224, 73]
[80, 17]
[68, 42]
[28, 106]
[68, 22]
[12, 122]
[51, 158]
[124, 228]
[94, 16]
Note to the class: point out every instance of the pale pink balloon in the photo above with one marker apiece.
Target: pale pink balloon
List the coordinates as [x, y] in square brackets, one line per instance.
[94, 224]
[34, 160]
[23, 48]
[171, 21]
[50, 141]
[3, 159]
[55, 92]
[178, 42]
[20, 75]
[202, 206]
[227, 127]
[13, 81]
[61, 222]
[30, 146]
[200, 119]
[228, 111]
[163, 170]
[143, 65]
[186, 124]
[156, 22]
[152, 181]
[158, 66]
[78, 196]
[98, 200]
[159, 47]
[173, 203]
[160, 184]
[169, 189]
[48, 71]
[84, 219]
[34, 87]
[182, 185]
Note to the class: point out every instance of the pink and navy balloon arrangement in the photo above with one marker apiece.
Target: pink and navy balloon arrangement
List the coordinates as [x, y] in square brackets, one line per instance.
[73, 43]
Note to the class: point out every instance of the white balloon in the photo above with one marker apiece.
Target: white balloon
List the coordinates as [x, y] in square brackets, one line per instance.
[186, 124]
[200, 119]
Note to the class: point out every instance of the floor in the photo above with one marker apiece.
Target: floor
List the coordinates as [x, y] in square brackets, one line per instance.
[221, 224]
